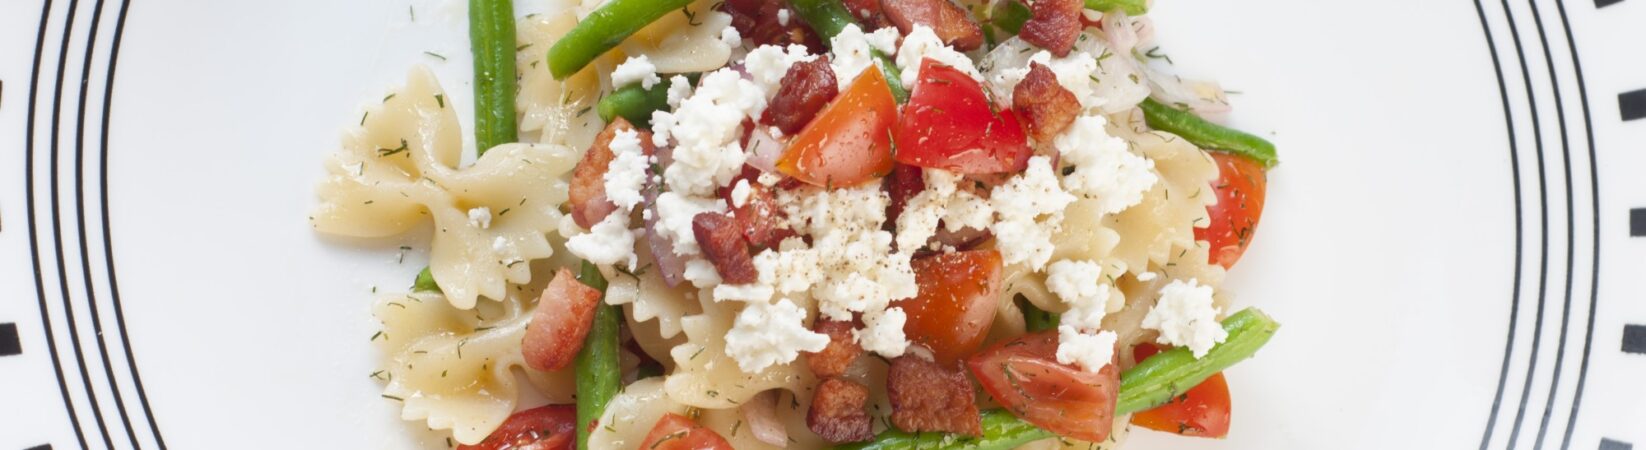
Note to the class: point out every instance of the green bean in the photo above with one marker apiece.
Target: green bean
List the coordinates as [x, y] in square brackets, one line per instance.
[1011, 14]
[1036, 319]
[603, 29]
[425, 282]
[1130, 7]
[598, 375]
[636, 104]
[1149, 384]
[491, 38]
[828, 18]
[1207, 135]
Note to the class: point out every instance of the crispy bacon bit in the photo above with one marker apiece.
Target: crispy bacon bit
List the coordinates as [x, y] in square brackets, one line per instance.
[837, 413]
[587, 194]
[949, 21]
[806, 89]
[927, 397]
[1046, 107]
[759, 216]
[867, 13]
[757, 20]
[842, 349]
[564, 314]
[904, 183]
[1055, 25]
[722, 242]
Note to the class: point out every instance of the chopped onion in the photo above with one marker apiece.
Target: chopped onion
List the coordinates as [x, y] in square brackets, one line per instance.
[764, 149]
[1117, 28]
[1203, 98]
[669, 264]
[761, 414]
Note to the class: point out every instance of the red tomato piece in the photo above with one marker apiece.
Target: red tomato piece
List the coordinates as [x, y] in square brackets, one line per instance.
[676, 432]
[1202, 411]
[1240, 189]
[957, 302]
[950, 124]
[564, 314]
[552, 427]
[850, 141]
[1024, 376]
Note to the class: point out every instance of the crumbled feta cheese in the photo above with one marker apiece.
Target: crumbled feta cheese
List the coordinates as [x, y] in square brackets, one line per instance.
[626, 174]
[852, 51]
[882, 333]
[701, 273]
[675, 213]
[752, 292]
[783, 17]
[765, 335]
[1185, 317]
[769, 179]
[1021, 236]
[1105, 169]
[1076, 282]
[922, 43]
[942, 200]
[740, 193]
[637, 69]
[679, 88]
[1090, 351]
[768, 64]
[731, 37]
[705, 130]
[858, 271]
[480, 217]
[967, 210]
[609, 242]
[790, 268]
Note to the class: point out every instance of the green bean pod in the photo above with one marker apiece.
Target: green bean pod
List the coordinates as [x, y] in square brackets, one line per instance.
[1207, 135]
[828, 18]
[598, 374]
[636, 104]
[1036, 319]
[604, 29]
[492, 39]
[1130, 7]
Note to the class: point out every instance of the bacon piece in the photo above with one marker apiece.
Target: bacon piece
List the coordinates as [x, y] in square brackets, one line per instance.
[927, 397]
[842, 349]
[1055, 25]
[837, 413]
[757, 20]
[904, 183]
[722, 242]
[868, 13]
[806, 89]
[949, 21]
[564, 314]
[759, 216]
[587, 195]
[1046, 107]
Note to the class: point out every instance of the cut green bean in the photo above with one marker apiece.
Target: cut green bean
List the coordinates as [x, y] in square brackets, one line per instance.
[1207, 135]
[636, 104]
[1147, 385]
[492, 39]
[1130, 7]
[425, 282]
[598, 374]
[828, 18]
[1034, 318]
[604, 29]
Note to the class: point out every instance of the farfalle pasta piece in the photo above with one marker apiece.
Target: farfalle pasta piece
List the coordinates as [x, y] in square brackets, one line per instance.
[400, 169]
[684, 41]
[562, 110]
[705, 377]
[1163, 224]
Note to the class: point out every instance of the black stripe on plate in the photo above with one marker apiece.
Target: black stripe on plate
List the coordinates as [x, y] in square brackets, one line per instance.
[1608, 444]
[1605, 3]
[1632, 104]
[9, 345]
[40, 447]
[1637, 222]
[1634, 339]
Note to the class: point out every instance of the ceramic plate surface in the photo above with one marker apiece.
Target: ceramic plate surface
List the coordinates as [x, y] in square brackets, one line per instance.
[1454, 242]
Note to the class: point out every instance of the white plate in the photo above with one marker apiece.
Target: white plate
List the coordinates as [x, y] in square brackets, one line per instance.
[1448, 241]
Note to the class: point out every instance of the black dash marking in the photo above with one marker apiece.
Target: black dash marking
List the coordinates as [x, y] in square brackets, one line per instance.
[9, 345]
[1632, 104]
[1637, 222]
[1634, 339]
[1608, 444]
[1603, 4]
[41, 447]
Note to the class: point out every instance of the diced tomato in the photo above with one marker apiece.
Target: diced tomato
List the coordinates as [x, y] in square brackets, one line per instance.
[676, 432]
[959, 293]
[1024, 376]
[950, 124]
[564, 314]
[552, 427]
[850, 142]
[1202, 411]
[1240, 189]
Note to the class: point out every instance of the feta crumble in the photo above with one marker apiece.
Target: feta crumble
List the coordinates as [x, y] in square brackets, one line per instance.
[852, 51]
[480, 217]
[767, 64]
[740, 193]
[765, 335]
[626, 174]
[1021, 236]
[922, 43]
[1105, 169]
[1090, 351]
[1185, 317]
[636, 69]
[607, 243]
[731, 37]
[675, 212]
[882, 333]
[705, 132]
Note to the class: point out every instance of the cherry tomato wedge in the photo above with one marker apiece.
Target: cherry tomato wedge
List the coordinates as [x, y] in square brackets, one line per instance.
[1024, 376]
[850, 141]
[1240, 189]
[552, 427]
[676, 432]
[958, 297]
[949, 124]
[1202, 411]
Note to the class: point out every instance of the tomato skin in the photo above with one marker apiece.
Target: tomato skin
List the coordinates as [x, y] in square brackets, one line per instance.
[676, 432]
[949, 124]
[1024, 376]
[551, 427]
[1202, 411]
[850, 141]
[1240, 188]
[956, 305]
